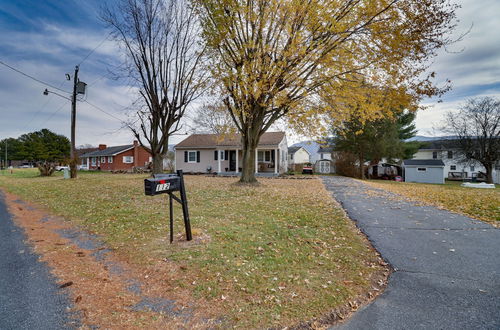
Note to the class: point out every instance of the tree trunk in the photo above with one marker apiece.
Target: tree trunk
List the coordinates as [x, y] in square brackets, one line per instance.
[489, 173]
[157, 164]
[361, 167]
[249, 142]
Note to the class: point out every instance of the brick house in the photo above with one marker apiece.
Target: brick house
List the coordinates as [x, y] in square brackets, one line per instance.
[117, 158]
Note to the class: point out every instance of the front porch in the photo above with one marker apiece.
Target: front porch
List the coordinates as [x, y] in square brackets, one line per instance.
[266, 161]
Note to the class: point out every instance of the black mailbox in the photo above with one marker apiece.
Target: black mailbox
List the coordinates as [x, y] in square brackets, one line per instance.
[162, 183]
[168, 183]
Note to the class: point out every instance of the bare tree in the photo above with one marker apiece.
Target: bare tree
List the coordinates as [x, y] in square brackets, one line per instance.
[163, 51]
[213, 118]
[477, 127]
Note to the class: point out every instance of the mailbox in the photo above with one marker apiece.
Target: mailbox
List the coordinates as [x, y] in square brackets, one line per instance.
[168, 183]
[161, 184]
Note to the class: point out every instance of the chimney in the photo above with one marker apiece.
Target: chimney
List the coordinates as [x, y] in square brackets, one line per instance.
[102, 146]
[136, 153]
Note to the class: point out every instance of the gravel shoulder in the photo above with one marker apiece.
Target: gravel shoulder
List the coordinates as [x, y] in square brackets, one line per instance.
[446, 266]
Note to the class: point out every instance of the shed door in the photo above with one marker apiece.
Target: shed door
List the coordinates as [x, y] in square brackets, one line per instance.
[324, 167]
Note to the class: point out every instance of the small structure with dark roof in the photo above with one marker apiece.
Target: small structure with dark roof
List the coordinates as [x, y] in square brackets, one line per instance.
[424, 170]
[205, 153]
[117, 158]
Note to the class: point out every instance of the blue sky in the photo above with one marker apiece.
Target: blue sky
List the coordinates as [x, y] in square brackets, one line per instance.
[46, 39]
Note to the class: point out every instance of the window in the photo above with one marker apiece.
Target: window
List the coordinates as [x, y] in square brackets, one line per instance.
[222, 153]
[128, 159]
[434, 154]
[191, 156]
[264, 156]
[291, 156]
[453, 167]
[472, 168]
[93, 160]
[450, 154]
[110, 159]
[103, 159]
[421, 169]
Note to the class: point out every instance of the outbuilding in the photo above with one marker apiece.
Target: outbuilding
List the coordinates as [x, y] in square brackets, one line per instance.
[424, 170]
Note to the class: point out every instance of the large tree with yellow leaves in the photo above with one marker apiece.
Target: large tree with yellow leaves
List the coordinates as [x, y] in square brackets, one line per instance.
[273, 57]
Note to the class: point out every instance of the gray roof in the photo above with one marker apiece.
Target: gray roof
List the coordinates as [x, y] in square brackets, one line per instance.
[325, 149]
[292, 150]
[423, 162]
[110, 151]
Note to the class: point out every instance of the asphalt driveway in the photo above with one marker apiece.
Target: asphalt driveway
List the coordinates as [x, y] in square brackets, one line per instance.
[29, 295]
[447, 266]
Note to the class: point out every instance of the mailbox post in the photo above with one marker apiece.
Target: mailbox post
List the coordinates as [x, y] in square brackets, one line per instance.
[168, 184]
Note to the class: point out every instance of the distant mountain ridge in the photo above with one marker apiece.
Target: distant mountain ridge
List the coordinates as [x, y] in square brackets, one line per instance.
[422, 138]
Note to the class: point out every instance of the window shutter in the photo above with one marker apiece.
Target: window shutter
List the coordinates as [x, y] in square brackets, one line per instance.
[197, 156]
[185, 156]
[216, 154]
[226, 155]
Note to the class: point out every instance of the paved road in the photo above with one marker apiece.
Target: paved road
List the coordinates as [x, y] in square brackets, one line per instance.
[447, 266]
[29, 296]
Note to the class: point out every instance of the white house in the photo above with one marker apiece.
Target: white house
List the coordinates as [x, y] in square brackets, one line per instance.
[455, 165]
[211, 153]
[298, 155]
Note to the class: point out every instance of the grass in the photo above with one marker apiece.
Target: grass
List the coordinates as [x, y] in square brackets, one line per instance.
[279, 253]
[482, 204]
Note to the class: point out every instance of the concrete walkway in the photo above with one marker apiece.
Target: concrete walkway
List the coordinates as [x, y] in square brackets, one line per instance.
[29, 295]
[447, 266]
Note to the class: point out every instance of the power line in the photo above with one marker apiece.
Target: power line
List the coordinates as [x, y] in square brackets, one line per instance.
[33, 78]
[53, 114]
[104, 111]
[95, 48]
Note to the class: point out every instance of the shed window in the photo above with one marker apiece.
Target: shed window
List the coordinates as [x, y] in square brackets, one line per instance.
[434, 154]
[450, 154]
[103, 159]
[421, 169]
[453, 167]
[93, 160]
[110, 159]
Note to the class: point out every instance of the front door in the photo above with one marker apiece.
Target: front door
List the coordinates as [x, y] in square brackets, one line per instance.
[232, 160]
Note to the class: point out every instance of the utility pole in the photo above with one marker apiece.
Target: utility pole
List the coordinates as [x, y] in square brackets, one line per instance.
[73, 161]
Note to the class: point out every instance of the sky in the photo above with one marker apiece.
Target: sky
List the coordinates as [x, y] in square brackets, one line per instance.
[46, 39]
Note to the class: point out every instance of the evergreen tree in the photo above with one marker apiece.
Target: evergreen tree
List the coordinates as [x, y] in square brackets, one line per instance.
[377, 139]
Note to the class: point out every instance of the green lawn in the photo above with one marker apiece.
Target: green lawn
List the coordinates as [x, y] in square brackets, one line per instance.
[273, 255]
[482, 204]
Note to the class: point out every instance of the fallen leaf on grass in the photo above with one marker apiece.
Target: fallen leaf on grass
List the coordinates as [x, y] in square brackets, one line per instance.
[65, 285]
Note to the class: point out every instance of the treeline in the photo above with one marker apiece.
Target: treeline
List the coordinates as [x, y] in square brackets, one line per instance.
[35, 147]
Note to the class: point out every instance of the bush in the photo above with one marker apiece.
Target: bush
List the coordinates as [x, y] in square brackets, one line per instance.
[345, 164]
[46, 169]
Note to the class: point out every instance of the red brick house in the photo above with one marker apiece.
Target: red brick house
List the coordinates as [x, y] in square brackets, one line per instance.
[117, 158]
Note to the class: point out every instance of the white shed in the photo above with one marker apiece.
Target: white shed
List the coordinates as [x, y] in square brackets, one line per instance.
[424, 170]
